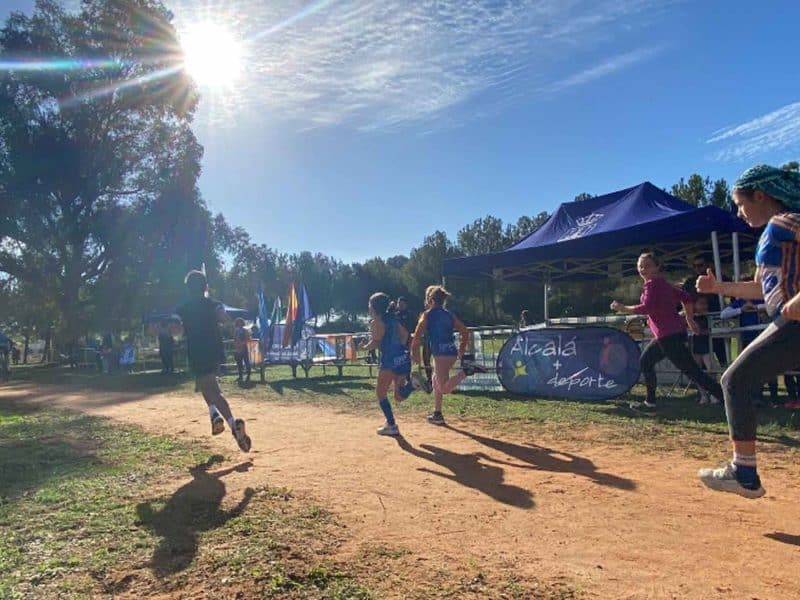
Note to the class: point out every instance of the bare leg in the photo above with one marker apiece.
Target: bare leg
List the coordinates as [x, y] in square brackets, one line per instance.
[209, 387]
[442, 382]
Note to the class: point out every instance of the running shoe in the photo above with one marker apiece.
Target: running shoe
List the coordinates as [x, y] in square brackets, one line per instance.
[724, 479]
[436, 418]
[217, 424]
[388, 430]
[241, 436]
[469, 366]
[420, 383]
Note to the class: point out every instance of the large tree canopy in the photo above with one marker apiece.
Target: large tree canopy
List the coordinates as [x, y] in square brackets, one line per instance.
[94, 128]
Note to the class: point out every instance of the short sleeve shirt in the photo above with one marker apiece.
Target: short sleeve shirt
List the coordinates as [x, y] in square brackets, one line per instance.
[777, 260]
[203, 337]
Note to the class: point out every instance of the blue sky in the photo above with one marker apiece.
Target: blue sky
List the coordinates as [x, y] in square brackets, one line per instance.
[357, 127]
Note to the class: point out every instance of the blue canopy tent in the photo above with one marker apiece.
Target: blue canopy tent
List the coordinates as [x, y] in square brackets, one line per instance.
[602, 237]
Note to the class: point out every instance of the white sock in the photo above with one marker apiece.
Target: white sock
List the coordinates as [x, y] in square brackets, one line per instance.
[212, 410]
[744, 460]
[232, 423]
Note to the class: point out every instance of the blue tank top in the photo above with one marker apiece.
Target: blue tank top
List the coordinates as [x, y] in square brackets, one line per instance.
[393, 352]
[440, 332]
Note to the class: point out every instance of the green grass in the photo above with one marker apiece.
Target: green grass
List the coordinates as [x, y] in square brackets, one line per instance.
[90, 508]
[676, 421]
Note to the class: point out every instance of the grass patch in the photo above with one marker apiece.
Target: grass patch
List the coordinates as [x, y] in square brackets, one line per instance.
[680, 422]
[91, 508]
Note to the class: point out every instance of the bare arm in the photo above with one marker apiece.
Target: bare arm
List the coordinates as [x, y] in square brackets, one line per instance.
[419, 332]
[463, 335]
[747, 290]
[376, 331]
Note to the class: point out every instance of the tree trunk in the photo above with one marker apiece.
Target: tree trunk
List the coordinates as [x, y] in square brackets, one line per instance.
[26, 349]
[46, 350]
[493, 301]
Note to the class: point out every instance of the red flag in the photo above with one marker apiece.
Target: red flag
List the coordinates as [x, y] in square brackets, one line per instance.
[291, 316]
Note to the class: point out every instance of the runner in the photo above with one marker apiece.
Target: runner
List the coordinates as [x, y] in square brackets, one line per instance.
[765, 196]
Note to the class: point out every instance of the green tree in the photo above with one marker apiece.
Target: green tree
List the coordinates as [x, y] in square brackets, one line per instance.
[583, 196]
[699, 191]
[524, 226]
[792, 165]
[83, 151]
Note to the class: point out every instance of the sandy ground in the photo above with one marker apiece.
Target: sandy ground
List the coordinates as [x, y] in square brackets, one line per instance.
[611, 522]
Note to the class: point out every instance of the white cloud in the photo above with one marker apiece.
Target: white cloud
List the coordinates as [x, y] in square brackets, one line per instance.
[777, 130]
[389, 63]
[603, 69]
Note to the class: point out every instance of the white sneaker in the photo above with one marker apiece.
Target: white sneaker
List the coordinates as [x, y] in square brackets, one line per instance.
[648, 404]
[724, 479]
[715, 400]
[388, 430]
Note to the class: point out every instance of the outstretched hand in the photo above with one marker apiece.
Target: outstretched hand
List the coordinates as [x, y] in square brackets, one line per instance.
[791, 310]
[616, 306]
[705, 283]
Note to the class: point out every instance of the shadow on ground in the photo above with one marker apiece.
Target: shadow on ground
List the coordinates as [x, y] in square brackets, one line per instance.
[470, 470]
[546, 459]
[194, 507]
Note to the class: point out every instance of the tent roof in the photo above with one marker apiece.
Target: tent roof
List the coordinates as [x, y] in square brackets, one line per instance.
[581, 238]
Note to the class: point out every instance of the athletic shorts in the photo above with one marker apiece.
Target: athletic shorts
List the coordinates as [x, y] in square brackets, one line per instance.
[399, 365]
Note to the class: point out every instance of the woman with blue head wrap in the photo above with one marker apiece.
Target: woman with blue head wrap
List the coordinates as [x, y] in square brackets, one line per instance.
[765, 197]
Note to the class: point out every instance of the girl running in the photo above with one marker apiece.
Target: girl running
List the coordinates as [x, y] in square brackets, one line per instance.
[391, 337]
[659, 300]
[768, 196]
[438, 325]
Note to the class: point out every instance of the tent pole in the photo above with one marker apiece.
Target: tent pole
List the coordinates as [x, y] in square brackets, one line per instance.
[546, 285]
[718, 271]
[717, 263]
[737, 268]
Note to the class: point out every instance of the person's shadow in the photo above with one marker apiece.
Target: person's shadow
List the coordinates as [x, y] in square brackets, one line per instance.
[194, 507]
[468, 470]
[785, 538]
[546, 459]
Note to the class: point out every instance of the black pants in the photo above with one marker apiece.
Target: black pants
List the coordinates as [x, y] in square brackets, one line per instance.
[719, 351]
[167, 362]
[771, 353]
[674, 347]
[242, 362]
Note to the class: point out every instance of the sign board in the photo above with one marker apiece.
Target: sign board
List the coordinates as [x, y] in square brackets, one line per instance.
[584, 363]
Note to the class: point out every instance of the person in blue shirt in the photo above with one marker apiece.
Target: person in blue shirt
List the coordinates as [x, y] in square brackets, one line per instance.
[389, 335]
[766, 197]
[438, 326]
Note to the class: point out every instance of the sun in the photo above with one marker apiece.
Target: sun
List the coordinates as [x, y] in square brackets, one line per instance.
[211, 54]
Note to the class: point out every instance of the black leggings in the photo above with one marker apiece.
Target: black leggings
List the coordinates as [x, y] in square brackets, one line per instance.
[243, 362]
[674, 347]
[771, 353]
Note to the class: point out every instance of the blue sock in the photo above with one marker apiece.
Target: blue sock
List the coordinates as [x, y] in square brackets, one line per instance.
[405, 390]
[387, 411]
[745, 475]
[746, 472]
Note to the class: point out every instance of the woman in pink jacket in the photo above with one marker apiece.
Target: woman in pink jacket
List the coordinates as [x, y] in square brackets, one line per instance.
[659, 301]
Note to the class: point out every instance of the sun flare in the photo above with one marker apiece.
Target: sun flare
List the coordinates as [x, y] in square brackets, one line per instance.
[212, 56]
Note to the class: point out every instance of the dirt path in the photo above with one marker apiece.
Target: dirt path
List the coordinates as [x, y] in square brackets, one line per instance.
[611, 522]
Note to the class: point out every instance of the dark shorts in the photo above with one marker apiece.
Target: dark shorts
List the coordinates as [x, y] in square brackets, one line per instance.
[399, 365]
